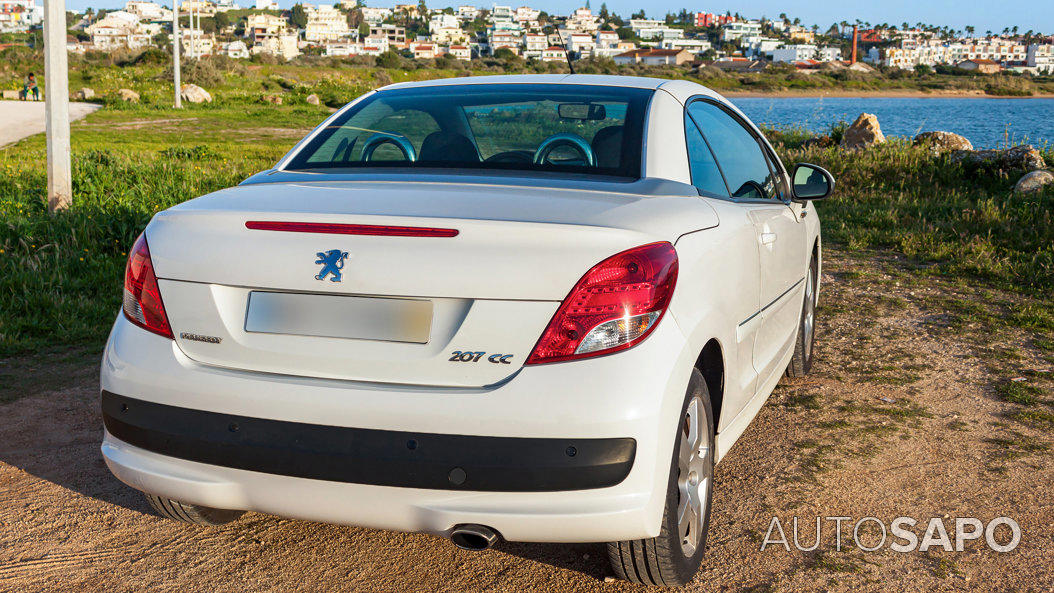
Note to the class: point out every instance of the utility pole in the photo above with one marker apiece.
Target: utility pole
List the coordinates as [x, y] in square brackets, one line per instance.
[175, 52]
[57, 106]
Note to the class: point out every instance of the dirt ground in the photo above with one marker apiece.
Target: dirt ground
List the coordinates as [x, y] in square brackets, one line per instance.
[923, 403]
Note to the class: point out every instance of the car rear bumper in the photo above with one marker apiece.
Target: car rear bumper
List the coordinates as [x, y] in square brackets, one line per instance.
[369, 456]
[337, 451]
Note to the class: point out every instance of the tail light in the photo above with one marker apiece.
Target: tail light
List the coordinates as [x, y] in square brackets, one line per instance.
[613, 307]
[142, 298]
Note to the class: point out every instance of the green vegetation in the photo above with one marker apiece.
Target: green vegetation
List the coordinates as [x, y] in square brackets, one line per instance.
[337, 80]
[60, 276]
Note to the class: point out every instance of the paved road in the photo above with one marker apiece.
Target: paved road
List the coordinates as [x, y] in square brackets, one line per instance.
[19, 119]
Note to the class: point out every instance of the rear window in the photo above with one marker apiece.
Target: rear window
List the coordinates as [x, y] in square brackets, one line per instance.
[582, 129]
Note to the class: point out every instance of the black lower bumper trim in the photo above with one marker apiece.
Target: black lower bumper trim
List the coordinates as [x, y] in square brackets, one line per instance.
[369, 456]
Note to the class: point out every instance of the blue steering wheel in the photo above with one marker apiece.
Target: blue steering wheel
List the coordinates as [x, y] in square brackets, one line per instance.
[565, 139]
[375, 141]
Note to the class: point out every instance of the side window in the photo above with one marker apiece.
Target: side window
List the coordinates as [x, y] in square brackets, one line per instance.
[706, 176]
[737, 151]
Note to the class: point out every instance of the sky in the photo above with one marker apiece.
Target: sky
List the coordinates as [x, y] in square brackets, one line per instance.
[1037, 15]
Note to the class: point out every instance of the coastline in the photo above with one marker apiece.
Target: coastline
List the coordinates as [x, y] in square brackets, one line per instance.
[884, 94]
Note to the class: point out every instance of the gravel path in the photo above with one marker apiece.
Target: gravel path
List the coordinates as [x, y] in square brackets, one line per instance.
[900, 417]
[19, 119]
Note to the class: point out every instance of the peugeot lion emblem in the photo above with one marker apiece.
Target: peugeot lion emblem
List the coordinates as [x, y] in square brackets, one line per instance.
[332, 262]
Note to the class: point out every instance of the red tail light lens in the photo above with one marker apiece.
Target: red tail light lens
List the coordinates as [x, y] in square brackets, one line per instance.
[142, 297]
[613, 307]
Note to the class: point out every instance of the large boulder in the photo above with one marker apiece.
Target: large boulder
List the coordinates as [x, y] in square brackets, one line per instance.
[1034, 181]
[128, 95]
[941, 142]
[1024, 157]
[84, 94]
[312, 99]
[194, 94]
[864, 132]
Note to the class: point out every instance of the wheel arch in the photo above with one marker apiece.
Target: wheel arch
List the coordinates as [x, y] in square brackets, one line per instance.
[711, 365]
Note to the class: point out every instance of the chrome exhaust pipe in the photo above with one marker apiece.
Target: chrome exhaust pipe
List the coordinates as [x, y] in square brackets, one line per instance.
[472, 537]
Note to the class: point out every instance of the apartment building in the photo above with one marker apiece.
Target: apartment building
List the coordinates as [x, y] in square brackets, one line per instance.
[373, 15]
[805, 51]
[583, 20]
[695, 46]
[1040, 57]
[282, 45]
[709, 19]
[325, 23]
[266, 5]
[19, 15]
[259, 27]
[526, 14]
[148, 11]
[736, 30]
[931, 52]
[120, 29]
[341, 49]
[580, 43]
[467, 13]
[395, 34]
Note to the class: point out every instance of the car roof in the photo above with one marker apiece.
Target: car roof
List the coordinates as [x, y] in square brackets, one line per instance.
[638, 82]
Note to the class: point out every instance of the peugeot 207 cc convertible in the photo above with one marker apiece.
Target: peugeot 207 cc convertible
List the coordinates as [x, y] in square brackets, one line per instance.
[537, 308]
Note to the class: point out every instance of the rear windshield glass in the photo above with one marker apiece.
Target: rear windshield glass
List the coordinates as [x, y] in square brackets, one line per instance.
[582, 129]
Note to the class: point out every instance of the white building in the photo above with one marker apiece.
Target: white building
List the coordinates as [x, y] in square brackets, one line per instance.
[461, 52]
[735, 30]
[446, 29]
[235, 49]
[580, 43]
[266, 5]
[374, 15]
[325, 23]
[1041, 58]
[526, 14]
[467, 13]
[931, 52]
[805, 51]
[640, 24]
[119, 29]
[284, 45]
[554, 54]
[19, 15]
[696, 46]
[341, 49]
[148, 11]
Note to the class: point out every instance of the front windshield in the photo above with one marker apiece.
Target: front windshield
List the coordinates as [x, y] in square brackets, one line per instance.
[583, 129]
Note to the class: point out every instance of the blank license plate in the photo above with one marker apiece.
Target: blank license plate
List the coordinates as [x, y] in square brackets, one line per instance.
[334, 316]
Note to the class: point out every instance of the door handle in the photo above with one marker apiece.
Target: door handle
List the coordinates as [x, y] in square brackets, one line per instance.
[768, 238]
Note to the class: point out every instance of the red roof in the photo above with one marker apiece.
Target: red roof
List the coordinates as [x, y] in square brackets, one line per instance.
[554, 48]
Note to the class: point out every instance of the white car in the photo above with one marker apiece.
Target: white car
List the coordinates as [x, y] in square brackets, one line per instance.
[537, 308]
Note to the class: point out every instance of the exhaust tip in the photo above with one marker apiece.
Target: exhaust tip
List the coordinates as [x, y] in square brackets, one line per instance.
[474, 538]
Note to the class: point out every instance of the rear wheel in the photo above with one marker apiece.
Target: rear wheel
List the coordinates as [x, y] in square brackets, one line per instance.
[801, 362]
[673, 557]
[190, 513]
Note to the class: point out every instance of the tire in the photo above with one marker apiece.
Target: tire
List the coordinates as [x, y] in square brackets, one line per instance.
[190, 513]
[672, 559]
[801, 362]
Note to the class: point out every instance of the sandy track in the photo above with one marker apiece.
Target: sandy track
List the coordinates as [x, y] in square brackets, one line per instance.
[859, 437]
[20, 119]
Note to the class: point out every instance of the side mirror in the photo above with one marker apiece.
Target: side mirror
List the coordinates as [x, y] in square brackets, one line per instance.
[810, 182]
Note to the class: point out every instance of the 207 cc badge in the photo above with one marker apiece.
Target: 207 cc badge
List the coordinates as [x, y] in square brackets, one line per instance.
[332, 262]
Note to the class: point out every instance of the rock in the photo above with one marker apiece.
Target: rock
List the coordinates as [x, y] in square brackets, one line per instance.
[818, 142]
[84, 94]
[1024, 157]
[128, 95]
[1032, 182]
[8, 94]
[273, 99]
[194, 94]
[864, 132]
[312, 99]
[942, 142]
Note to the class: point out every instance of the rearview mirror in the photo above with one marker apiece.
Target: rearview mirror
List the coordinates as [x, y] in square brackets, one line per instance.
[810, 182]
[584, 111]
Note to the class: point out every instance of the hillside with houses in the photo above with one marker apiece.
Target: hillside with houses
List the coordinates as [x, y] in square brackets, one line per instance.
[729, 42]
